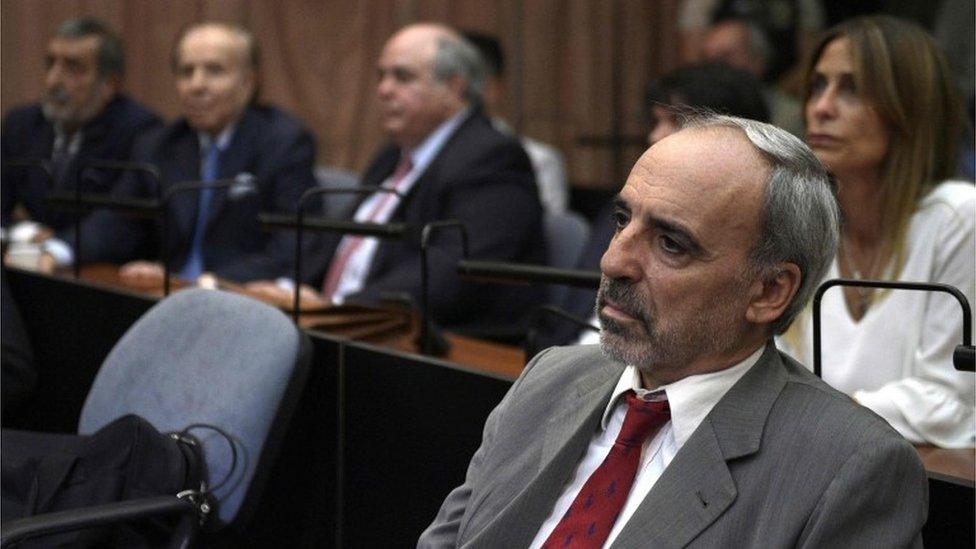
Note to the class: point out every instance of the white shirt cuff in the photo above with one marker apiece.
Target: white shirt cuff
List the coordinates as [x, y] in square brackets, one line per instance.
[59, 250]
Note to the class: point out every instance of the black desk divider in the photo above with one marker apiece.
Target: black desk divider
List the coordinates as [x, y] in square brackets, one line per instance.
[411, 426]
[72, 326]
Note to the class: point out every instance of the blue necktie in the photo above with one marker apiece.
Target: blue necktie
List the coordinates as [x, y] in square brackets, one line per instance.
[209, 171]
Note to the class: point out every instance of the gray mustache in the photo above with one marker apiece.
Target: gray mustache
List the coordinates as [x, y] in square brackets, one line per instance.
[624, 297]
[58, 95]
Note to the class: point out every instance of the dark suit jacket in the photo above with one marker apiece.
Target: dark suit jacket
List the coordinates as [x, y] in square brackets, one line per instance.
[268, 144]
[782, 460]
[484, 179]
[28, 134]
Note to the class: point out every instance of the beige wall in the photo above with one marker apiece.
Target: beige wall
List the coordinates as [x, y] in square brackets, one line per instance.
[319, 59]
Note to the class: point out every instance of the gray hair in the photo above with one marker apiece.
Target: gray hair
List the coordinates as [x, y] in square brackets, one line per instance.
[457, 57]
[110, 55]
[800, 217]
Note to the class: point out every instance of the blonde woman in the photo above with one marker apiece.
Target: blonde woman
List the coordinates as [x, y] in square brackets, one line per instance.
[882, 115]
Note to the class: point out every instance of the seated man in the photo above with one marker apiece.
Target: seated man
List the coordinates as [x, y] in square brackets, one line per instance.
[448, 162]
[691, 428]
[223, 135]
[82, 115]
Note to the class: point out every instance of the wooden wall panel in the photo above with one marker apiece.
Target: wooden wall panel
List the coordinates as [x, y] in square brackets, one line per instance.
[575, 67]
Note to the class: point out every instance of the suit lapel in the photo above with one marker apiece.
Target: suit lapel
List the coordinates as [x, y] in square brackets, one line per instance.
[566, 435]
[693, 491]
[697, 486]
[183, 165]
[416, 210]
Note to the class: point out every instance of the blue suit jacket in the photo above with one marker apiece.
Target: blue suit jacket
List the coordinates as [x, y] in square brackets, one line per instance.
[267, 144]
[27, 134]
[484, 179]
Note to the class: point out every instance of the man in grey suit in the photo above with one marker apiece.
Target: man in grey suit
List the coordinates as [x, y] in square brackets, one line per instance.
[690, 428]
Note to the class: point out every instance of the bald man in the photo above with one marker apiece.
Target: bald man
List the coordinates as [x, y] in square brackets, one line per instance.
[448, 162]
[223, 134]
[686, 427]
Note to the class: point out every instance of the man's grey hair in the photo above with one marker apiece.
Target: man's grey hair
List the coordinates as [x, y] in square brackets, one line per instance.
[457, 57]
[800, 218]
[110, 55]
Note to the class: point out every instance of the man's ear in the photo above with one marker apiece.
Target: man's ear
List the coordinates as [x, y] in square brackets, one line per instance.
[113, 84]
[456, 84]
[772, 294]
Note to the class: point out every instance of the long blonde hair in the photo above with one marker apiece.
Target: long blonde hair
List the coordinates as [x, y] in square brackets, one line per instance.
[902, 73]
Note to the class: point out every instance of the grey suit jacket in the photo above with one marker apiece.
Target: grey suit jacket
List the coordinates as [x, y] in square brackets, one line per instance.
[782, 460]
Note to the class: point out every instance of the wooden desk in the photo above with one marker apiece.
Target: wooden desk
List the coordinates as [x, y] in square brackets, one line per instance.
[957, 466]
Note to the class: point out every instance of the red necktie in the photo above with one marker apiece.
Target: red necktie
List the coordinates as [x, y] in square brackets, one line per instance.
[588, 521]
[350, 244]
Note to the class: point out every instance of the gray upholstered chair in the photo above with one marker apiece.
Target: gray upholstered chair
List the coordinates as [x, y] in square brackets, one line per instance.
[566, 235]
[337, 205]
[205, 357]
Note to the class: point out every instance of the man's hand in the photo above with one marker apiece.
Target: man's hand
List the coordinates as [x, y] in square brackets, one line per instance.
[142, 274]
[270, 292]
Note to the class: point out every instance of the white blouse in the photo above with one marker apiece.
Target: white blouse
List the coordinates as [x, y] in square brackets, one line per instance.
[897, 360]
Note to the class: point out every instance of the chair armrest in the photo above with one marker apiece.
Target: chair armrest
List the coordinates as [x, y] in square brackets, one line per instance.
[87, 517]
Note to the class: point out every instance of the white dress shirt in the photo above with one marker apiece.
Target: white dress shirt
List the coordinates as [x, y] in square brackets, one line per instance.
[690, 400]
[357, 268]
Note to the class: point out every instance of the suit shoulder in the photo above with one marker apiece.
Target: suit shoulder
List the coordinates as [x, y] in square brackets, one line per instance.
[22, 117]
[135, 114]
[480, 129]
[277, 122]
[568, 363]
[820, 411]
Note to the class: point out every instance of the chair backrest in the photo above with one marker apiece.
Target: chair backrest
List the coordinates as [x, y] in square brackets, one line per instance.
[214, 358]
[337, 205]
[566, 235]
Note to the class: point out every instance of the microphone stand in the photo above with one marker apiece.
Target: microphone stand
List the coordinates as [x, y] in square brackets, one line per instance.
[962, 358]
[298, 223]
[427, 343]
[106, 165]
[519, 273]
[541, 312]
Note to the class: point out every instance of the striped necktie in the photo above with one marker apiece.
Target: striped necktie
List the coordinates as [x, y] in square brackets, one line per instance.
[351, 244]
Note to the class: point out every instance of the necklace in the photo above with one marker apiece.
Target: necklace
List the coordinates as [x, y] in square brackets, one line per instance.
[863, 296]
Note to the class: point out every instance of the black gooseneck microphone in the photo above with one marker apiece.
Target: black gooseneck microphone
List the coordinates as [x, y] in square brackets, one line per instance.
[964, 357]
[298, 222]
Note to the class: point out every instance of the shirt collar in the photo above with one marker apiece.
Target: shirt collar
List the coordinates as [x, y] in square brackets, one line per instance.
[223, 139]
[690, 399]
[424, 154]
[67, 144]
